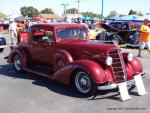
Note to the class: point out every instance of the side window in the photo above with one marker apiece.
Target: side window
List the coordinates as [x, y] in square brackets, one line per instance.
[42, 35]
[118, 26]
[125, 27]
[49, 35]
[113, 25]
[37, 35]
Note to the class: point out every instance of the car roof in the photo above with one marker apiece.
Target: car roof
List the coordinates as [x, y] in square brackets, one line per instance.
[60, 24]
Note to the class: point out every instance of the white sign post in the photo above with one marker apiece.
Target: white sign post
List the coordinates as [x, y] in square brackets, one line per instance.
[124, 91]
[139, 85]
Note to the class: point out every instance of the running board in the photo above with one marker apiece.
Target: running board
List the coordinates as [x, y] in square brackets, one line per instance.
[48, 73]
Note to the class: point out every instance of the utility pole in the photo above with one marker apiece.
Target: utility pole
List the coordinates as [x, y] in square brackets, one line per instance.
[102, 11]
[78, 1]
[65, 5]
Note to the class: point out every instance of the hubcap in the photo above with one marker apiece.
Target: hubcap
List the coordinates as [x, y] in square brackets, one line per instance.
[61, 63]
[115, 41]
[17, 62]
[83, 82]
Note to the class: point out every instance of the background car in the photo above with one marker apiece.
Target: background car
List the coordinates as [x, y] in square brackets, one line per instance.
[119, 32]
[2, 43]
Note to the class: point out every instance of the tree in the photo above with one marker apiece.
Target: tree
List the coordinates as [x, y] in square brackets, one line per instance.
[91, 14]
[2, 15]
[122, 15]
[112, 14]
[29, 11]
[132, 12]
[72, 11]
[140, 13]
[23, 11]
[47, 11]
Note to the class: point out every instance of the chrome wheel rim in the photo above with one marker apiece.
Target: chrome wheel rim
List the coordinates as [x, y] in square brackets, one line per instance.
[17, 62]
[61, 63]
[83, 82]
[115, 41]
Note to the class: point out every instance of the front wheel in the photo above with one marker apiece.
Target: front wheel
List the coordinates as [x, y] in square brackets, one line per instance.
[17, 63]
[116, 39]
[83, 83]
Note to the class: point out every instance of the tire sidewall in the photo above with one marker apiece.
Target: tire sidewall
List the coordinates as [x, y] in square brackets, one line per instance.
[18, 70]
[93, 89]
[116, 39]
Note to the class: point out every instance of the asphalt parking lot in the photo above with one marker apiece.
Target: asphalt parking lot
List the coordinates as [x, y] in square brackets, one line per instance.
[29, 93]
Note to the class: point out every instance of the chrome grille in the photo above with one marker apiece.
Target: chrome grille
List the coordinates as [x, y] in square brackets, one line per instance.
[118, 66]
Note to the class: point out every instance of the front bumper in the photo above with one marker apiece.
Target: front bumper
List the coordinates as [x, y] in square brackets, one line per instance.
[114, 86]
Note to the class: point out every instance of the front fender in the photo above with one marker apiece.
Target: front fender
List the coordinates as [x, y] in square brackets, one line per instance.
[95, 71]
[136, 65]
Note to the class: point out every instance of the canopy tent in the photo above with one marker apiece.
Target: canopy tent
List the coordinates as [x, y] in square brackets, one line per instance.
[130, 18]
[86, 18]
[95, 19]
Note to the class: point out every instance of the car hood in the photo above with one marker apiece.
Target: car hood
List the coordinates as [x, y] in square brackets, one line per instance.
[109, 28]
[87, 45]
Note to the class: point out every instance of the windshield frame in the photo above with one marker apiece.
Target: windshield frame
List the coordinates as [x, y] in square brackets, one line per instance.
[81, 29]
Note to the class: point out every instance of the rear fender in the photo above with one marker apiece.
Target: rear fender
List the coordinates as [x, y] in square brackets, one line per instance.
[20, 52]
[61, 55]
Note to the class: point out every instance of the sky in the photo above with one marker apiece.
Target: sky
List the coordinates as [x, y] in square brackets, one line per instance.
[121, 6]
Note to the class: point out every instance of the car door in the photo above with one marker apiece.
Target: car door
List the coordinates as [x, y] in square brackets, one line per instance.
[40, 51]
[47, 48]
[34, 45]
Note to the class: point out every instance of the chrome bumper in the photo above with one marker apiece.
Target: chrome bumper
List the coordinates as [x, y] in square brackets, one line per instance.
[114, 86]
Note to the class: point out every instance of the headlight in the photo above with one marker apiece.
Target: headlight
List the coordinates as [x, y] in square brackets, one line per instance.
[109, 61]
[130, 57]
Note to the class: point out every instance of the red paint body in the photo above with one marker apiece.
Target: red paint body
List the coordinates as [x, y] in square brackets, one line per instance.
[77, 53]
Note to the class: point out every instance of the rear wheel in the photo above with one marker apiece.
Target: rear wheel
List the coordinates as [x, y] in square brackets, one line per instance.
[17, 63]
[59, 64]
[83, 83]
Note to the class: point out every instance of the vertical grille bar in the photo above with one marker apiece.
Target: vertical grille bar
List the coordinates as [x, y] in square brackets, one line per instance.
[118, 65]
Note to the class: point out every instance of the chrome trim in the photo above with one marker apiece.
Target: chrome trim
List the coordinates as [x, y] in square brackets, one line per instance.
[122, 68]
[114, 86]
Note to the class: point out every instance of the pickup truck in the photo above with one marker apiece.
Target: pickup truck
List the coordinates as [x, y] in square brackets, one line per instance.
[63, 52]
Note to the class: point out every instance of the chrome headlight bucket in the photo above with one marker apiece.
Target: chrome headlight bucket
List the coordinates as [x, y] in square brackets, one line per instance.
[109, 61]
[130, 57]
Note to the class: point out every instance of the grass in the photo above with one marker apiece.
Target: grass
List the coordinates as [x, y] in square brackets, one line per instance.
[2, 15]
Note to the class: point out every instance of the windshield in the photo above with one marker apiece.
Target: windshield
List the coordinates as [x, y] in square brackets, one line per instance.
[71, 33]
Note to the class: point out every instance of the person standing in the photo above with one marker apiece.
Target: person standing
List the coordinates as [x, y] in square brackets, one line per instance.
[13, 31]
[144, 37]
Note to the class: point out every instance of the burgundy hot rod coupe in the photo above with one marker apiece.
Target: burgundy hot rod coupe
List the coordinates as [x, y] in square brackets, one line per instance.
[62, 52]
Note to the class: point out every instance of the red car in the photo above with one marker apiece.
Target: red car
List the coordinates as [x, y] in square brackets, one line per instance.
[62, 52]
